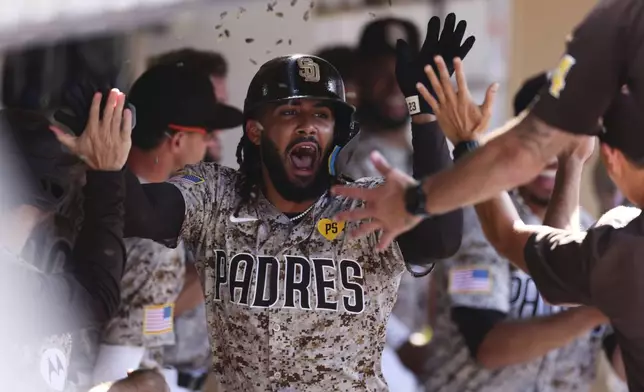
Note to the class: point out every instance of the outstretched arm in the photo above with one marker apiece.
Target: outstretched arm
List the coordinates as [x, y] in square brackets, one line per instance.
[439, 237]
[518, 151]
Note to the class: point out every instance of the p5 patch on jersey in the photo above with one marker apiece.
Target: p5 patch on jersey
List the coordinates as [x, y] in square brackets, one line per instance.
[330, 229]
[470, 280]
[158, 319]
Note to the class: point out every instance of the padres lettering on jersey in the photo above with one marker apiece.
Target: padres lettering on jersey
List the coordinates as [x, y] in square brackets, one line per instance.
[306, 285]
[290, 305]
[525, 300]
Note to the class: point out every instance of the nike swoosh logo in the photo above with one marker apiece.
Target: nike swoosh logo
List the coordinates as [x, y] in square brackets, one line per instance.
[236, 219]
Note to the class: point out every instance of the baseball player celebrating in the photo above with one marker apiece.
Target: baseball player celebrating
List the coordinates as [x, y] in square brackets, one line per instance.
[294, 303]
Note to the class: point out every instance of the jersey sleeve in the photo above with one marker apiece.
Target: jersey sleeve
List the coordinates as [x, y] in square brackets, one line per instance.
[477, 277]
[201, 186]
[599, 54]
[151, 285]
[586, 267]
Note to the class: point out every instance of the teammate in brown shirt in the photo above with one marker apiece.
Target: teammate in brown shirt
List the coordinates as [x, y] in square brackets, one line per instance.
[598, 267]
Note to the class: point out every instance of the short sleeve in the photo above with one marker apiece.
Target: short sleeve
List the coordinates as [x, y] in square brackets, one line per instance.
[598, 56]
[201, 186]
[477, 277]
[151, 283]
[587, 267]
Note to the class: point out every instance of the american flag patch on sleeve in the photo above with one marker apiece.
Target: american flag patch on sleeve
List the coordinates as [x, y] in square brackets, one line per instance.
[470, 280]
[158, 319]
[189, 179]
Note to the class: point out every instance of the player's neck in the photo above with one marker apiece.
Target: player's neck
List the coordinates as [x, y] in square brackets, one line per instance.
[150, 165]
[283, 205]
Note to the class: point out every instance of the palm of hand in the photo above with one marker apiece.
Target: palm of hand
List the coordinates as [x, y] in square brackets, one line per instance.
[384, 206]
[460, 123]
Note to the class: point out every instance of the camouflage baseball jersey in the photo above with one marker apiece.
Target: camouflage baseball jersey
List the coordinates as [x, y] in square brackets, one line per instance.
[151, 283]
[477, 277]
[290, 306]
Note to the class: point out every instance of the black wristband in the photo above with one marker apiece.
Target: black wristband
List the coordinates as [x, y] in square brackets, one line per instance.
[463, 148]
[415, 200]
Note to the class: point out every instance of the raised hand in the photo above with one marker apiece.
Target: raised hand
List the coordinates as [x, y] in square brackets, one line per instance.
[410, 66]
[460, 118]
[105, 143]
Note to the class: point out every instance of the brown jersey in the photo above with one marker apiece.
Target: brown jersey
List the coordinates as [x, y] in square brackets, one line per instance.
[600, 267]
[603, 53]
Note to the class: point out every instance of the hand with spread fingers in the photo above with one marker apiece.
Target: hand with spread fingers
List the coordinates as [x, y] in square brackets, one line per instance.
[384, 205]
[460, 118]
[105, 143]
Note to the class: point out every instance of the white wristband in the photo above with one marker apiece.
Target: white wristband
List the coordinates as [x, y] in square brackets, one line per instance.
[413, 104]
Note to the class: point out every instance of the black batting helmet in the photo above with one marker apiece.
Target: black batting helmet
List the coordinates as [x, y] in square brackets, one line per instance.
[303, 76]
[40, 172]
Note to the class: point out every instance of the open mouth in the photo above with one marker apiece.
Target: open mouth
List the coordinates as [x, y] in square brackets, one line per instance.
[549, 174]
[303, 157]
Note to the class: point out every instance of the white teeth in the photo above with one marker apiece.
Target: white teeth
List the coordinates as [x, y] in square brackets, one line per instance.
[548, 173]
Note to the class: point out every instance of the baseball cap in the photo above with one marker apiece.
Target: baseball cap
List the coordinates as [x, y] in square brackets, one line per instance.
[181, 98]
[529, 91]
[380, 36]
[623, 124]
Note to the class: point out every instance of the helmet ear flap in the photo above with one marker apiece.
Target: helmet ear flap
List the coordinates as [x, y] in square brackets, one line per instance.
[341, 139]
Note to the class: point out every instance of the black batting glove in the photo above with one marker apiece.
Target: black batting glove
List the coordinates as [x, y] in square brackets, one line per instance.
[410, 66]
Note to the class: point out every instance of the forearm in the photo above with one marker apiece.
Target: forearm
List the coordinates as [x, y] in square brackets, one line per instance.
[440, 236]
[99, 252]
[499, 221]
[563, 208]
[153, 211]
[519, 341]
[520, 152]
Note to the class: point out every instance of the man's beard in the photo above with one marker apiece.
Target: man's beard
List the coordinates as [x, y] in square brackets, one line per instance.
[369, 113]
[209, 158]
[276, 169]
